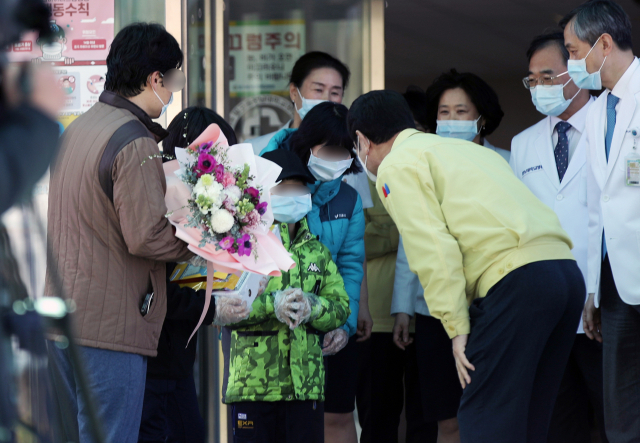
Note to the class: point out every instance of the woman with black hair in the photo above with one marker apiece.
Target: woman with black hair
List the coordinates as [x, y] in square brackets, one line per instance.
[316, 77]
[323, 143]
[462, 105]
[170, 409]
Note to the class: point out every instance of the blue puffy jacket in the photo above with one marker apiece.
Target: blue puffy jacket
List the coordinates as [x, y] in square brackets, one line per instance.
[337, 219]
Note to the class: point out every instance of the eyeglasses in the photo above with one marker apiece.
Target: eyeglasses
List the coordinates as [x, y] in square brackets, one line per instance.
[545, 80]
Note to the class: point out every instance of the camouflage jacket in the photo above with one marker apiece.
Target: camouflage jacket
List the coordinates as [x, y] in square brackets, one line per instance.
[264, 359]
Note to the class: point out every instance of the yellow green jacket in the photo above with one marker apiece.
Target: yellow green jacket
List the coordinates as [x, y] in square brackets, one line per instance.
[466, 220]
[381, 245]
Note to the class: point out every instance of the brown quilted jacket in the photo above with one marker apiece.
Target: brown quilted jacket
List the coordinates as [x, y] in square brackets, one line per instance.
[110, 252]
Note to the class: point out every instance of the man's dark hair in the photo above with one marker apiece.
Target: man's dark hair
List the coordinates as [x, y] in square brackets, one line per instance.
[417, 100]
[325, 124]
[481, 94]
[138, 51]
[316, 60]
[544, 41]
[596, 17]
[187, 126]
[379, 115]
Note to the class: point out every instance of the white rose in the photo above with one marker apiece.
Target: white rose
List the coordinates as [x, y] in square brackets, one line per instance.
[233, 193]
[222, 221]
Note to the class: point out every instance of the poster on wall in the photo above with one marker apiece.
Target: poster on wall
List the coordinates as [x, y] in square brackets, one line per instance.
[261, 56]
[82, 86]
[83, 31]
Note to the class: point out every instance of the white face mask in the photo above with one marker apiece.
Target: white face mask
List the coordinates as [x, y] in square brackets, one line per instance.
[370, 174]
[307, 105]
[462, 129]
[290, 208]
[52, 51]
[325, 170]
[164, 107]
[579, 74]
[549, 100]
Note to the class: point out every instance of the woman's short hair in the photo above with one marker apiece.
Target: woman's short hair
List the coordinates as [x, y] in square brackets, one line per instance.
[325, 124]
[187, 126]
[316, 60]
[481, 94]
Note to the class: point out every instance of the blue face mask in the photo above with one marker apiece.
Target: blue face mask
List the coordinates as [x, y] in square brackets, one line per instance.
[290, 208]
[307, 105]
[462, 129]
[579, 74]
[549, 100]
[164, 106]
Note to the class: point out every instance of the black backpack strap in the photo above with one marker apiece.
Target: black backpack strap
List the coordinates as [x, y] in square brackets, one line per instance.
[125, 134]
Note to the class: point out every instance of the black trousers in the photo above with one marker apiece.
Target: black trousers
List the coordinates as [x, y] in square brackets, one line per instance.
[278, 422]
[621, 356]
[387, 382]
[170, 412]
[580, 395]
[521, 336]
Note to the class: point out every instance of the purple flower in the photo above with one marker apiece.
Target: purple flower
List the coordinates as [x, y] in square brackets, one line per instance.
[253, 192]
[262, 208]
[227, 243]
[206, 163]
[244, 245]
[205, 147]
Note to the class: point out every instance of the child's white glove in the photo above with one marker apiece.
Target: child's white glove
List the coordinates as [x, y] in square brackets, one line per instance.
[334, 341]
[230, 308]
[293, 307]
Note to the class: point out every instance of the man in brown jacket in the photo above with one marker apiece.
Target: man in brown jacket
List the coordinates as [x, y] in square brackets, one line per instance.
[110, 237]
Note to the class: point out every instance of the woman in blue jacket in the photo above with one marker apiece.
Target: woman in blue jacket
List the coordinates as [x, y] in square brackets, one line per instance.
[322, 142]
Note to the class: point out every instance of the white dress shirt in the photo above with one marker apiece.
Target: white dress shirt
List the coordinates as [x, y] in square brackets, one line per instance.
[577, 122]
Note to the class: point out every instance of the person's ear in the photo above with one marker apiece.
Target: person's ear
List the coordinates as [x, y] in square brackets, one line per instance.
[365, 143]
[293, 92]
[607, 44]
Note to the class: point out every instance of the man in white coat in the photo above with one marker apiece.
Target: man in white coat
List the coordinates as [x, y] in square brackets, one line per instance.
[549, 159]
[598, 37]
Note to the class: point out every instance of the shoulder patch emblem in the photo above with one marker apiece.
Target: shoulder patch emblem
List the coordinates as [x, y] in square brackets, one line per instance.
[313, 268]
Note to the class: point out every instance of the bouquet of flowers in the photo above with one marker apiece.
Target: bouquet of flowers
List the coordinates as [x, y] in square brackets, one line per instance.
[225, 202]
[219, 202]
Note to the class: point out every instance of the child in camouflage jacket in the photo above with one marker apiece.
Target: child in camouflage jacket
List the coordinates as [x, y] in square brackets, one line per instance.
[274, 370]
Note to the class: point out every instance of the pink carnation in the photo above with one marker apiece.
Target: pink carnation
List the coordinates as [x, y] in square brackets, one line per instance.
[252, 219]
[229, 206]
[228, 179]
[219, 173]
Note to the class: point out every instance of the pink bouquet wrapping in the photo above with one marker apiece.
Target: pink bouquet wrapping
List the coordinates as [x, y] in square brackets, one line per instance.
[219, 203]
